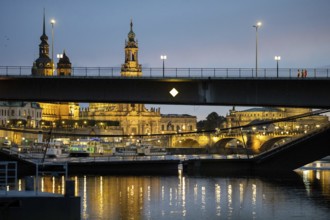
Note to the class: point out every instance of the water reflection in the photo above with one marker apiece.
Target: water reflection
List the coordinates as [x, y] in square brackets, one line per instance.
[111, 197]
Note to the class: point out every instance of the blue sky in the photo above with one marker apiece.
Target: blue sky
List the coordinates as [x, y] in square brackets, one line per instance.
[192, 33]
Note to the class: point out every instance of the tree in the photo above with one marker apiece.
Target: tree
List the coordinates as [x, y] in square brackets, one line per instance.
[213, 121]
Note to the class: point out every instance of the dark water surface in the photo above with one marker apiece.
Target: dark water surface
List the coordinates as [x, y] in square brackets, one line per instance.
[303, 195]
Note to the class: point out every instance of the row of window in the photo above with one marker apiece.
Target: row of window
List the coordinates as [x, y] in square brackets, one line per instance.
[177, 128]
[7, 112]
[260, 115]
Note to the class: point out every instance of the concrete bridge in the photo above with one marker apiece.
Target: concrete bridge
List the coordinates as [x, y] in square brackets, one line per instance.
[230, 89]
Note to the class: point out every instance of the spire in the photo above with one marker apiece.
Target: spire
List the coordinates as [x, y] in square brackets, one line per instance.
[44, 37]
[131, 24]
[44, 25]
[131, 34]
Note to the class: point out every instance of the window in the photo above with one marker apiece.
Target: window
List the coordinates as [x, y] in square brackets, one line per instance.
[163, 127]
[12, 112]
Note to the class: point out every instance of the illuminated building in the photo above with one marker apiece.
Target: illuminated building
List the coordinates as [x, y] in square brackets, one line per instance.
[136, 118]
[43, 66]
[19, 114]
[177, 122]
[131, 67]
[64, 65]
[133, 118]
[264, 114]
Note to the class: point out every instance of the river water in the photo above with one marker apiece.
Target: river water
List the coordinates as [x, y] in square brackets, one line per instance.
[303, 195]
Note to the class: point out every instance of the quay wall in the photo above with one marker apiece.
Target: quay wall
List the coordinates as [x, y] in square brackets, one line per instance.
[152, 167]
[36, 207]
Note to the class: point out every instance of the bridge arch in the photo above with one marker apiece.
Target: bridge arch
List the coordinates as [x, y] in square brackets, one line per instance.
[271, 142]
[187, 142]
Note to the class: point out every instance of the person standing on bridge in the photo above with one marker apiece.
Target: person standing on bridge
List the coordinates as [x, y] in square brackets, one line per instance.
[305, 73]
[298, 75]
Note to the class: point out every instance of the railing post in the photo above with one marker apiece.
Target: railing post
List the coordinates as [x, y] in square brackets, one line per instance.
[239, 72]
[214, 72]
[202, 72]
[176, 72]
[290, 72]
[265, 72]
[227, 72]
[7, 70]
[252, 73]
[99, 71]
[327, 73]
[86, 71]
[20, 70]
[314, 73]
[112, 71]
[189, 72]
[72, 71]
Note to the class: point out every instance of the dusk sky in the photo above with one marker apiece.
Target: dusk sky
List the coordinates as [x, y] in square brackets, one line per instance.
[192, 33]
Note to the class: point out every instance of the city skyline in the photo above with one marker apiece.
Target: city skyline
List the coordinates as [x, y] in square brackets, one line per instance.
[191, 34]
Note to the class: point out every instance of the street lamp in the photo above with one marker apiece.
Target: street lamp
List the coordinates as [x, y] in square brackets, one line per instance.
[52, 23]
[277, 58]
[256, 26]
[163, 57]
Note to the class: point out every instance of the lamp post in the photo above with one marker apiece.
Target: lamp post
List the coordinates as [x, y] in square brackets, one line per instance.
[52, 23]
[277, 58]
[256, 26]
[163, 57]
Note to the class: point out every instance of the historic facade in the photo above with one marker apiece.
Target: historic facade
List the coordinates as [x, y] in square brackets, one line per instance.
[44, 66]
[264, 114]
[177, 123]
[136, 118]
[64, 65]
[133, 118]
[20, 114]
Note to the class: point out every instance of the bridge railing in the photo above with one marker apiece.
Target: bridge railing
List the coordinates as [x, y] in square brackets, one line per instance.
[180, 72]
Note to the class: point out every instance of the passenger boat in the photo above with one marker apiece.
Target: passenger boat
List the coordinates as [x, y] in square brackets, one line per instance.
[78, 151]
[149, 150]
[53, 152]
[125, 151]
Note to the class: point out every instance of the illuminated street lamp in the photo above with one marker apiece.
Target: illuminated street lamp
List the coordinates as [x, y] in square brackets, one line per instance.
[163, 57]
[277, 58]
[256, 26]
[52, 23]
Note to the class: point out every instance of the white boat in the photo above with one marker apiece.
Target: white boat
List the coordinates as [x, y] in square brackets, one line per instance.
[125, 151]
[52, 152]
[149, 150]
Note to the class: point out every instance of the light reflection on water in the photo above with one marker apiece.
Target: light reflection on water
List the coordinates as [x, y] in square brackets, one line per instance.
[303, 196]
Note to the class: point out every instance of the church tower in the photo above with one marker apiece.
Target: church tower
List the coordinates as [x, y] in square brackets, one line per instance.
[43, 66]
[131, 67]
[64, 65]
[133, 118]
